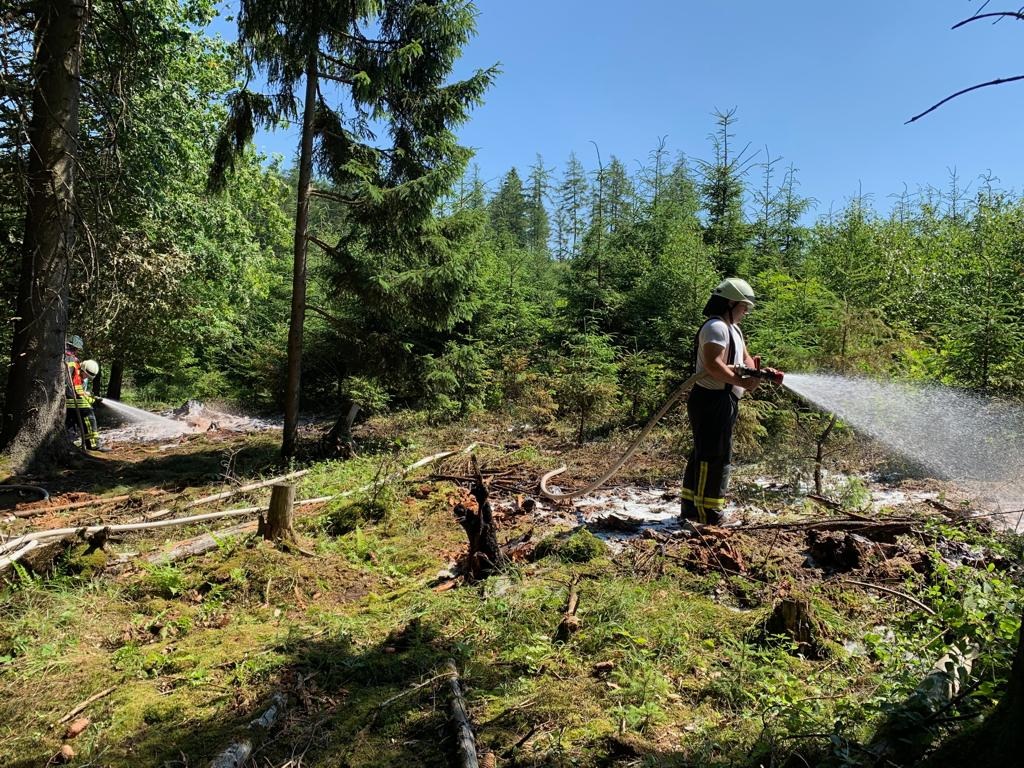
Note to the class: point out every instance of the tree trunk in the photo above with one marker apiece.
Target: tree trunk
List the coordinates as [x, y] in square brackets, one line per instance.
[35, 386]
[819, 456]
[116, 380]
[484, 556]
[298, 316]
[281, 515]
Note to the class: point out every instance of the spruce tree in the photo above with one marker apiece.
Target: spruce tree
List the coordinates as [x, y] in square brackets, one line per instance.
[571, 197]
[365, 68]
[509, 212]
[538, 227]
[722, 191]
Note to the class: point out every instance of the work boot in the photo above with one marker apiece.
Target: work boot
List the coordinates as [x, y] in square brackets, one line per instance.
[99, 448]
[687, 511]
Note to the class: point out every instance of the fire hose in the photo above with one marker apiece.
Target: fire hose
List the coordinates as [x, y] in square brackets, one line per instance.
[768, 374]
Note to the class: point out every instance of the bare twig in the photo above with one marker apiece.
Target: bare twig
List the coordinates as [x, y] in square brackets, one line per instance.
[895, 592]
[86, 703]
[1001, 14]
[997, 81]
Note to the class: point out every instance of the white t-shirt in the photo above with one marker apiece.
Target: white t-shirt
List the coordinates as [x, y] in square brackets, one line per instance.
[716, 331]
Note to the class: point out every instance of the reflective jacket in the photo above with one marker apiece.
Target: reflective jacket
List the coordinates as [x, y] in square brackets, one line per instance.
[76, 391]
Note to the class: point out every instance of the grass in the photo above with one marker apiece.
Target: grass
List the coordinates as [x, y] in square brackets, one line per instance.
[664, 670]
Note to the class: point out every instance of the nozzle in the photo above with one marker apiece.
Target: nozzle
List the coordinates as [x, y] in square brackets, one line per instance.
[768, 374]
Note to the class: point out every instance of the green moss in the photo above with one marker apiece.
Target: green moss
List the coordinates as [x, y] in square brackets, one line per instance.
[161, 712]
[580, 547]
[81, 562]
[348, 516]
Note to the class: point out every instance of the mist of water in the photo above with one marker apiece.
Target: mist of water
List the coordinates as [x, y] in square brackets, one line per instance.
[155, 425]
[957, 435]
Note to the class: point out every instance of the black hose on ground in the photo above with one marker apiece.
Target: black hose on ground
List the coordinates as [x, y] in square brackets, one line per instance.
[42, 492]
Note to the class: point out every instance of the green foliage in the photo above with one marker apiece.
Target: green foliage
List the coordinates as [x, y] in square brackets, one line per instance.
[587, 383]
[164, 581]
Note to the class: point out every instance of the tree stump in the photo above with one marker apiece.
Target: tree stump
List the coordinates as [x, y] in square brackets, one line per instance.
[484, 553]
[793, 618]
[279, 522]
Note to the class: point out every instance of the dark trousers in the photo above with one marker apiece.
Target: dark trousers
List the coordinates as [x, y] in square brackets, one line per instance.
[712, 415]
[91, 438]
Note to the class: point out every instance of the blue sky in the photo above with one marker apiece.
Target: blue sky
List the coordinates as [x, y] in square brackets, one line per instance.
[825, 85]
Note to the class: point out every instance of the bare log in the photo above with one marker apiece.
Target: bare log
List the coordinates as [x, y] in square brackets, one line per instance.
[224, 495]
[43, 510]
[206, 542]
[465, 743]
[14, 549]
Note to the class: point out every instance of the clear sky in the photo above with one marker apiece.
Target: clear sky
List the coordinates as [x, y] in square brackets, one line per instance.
[825, 85]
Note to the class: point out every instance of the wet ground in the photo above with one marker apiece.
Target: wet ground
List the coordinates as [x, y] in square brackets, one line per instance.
[191, 418]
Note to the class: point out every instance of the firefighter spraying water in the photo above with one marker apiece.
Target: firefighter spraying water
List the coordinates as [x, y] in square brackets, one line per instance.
[724, 372]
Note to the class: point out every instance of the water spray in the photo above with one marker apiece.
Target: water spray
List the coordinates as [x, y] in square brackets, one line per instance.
[766, 374]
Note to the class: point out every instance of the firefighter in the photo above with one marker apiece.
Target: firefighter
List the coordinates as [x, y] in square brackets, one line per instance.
[80, 416]
[714, 400]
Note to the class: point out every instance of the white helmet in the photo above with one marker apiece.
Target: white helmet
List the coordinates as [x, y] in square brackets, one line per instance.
[91, 368]
[735, 289]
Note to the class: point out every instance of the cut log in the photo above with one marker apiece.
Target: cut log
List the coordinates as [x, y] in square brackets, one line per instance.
[279, 524]
[38, 509]
[160, 513]
[465, 743]
[14, 549]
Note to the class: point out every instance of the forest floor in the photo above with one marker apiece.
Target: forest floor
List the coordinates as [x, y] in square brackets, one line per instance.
[675, 657]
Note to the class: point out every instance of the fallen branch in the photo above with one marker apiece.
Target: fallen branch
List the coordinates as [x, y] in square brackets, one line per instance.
[894, 592]
[79, 504]
[569, 623]
[86, 703]
[419, 686]
[465, 743]
[825, 501]
[858, 524]
[223, 495]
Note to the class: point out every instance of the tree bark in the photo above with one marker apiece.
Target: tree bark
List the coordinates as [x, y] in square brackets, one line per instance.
[116, 379]
[34, 409]
[298, 316]
[281, 514]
